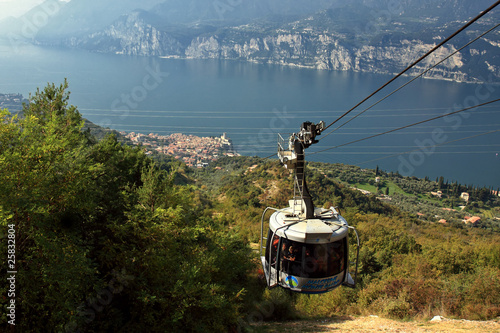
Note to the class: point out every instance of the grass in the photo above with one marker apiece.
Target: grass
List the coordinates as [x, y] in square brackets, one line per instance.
[393, 188]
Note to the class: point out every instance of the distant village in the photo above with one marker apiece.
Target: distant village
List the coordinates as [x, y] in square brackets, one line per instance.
[13, 102]
[193, 150]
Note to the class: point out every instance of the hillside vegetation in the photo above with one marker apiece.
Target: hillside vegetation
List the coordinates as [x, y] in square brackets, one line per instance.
[109, 239]
[409, 268]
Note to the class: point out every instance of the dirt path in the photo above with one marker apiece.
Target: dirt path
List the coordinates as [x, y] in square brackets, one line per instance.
[376, 324]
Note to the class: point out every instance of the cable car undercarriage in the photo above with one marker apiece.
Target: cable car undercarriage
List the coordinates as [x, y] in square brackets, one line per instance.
[306, 248]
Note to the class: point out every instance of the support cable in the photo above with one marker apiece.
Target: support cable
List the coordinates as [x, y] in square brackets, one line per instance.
[433, 146]
[407, 126]
[419, 60]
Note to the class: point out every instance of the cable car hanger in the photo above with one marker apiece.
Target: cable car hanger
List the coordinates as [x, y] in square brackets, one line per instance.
[306, 249]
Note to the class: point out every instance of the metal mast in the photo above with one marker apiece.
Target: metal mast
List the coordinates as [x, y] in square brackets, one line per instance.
[294, 158]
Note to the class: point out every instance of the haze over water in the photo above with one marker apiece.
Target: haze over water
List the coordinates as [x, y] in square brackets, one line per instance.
[252, 103]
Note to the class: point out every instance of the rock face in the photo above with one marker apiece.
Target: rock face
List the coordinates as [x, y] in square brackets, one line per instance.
[326, 52]
[130, 35]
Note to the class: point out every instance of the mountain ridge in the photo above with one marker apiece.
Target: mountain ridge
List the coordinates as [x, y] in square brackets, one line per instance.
[377, 36]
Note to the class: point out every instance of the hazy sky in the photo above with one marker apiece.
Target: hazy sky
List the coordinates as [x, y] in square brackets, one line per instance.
[16, 7]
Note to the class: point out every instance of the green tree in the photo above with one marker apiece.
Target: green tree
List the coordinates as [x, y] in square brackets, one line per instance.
[43, 178]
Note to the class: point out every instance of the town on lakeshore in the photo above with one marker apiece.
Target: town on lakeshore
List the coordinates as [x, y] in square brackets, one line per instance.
[193, 150]
[12, 102]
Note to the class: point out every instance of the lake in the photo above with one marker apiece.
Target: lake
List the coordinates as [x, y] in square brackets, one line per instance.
[252, 103]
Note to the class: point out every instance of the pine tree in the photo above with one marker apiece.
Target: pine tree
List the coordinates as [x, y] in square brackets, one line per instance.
[441, 182]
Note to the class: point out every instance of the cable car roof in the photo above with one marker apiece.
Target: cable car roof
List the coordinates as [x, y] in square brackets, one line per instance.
[327, 226]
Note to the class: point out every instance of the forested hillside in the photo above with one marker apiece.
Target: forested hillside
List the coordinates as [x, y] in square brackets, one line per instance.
[105, 241]
[111, 240]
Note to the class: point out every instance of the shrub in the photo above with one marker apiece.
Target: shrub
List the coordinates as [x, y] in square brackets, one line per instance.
[482, 298]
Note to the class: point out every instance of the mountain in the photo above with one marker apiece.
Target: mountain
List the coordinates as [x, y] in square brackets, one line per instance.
[379, 36]
[79, 17]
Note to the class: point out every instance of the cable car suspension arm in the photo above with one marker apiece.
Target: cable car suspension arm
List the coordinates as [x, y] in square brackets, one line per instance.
[294, 158]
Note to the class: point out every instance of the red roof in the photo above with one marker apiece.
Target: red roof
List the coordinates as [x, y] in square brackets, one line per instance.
[474, 219]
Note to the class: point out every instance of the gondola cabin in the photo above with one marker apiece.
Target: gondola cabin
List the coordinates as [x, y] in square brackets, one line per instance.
[306, 248]
[306, 256]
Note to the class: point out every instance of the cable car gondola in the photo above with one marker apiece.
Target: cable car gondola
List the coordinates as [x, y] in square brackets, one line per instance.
[305, 249]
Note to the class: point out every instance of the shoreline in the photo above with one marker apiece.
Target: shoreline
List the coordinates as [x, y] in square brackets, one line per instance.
[312, 67]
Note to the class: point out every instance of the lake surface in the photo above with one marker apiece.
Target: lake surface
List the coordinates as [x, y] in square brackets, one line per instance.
[252, 103]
